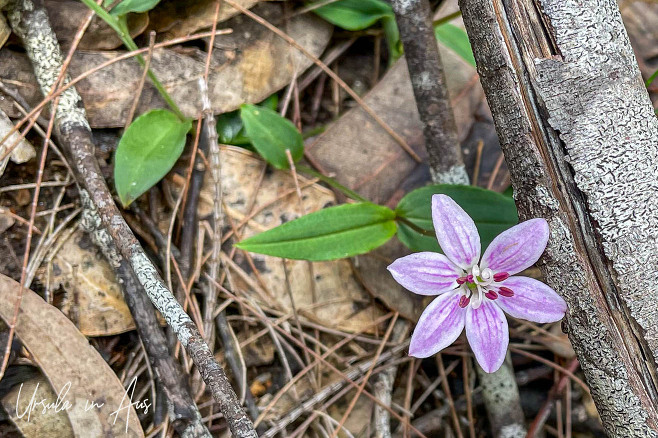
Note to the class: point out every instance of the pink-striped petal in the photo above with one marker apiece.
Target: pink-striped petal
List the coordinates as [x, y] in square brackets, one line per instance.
[439, 326]
[487, 332]
[455, 230]
[518, 248]
[425, 273]
[532, 300]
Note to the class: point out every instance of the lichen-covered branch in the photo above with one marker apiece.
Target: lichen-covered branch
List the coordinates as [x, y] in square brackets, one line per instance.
[581, 141]
[101, 216]
[429, 84]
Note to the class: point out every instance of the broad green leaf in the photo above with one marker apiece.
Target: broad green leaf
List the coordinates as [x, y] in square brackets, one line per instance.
[271, 135]
[354, 14]
[127, 6]
[361, 14]
[455, 39]
[147, 151]
[492, 212]
[230, 128]
[332, 233]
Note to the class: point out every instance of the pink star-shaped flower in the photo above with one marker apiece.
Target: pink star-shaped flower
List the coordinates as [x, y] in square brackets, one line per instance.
[473, 293]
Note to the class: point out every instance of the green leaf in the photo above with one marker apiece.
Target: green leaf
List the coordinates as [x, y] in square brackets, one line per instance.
[230, 128]
[127, 6]
[393, 42]
[492, 212]
[147, 151]
[271, 135]
[354, 14]
[332, 233]
[455, 39]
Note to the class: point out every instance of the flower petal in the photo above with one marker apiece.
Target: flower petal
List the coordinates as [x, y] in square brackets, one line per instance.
[439, 326]
[532, 300]
[425, 273]
[487, 332]
[518, 248]
[455, 231]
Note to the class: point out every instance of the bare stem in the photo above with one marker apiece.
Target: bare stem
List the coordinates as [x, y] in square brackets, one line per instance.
[429, 85]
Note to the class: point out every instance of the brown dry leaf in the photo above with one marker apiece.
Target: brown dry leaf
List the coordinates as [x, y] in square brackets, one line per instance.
[375, 165]
[173, 18]
[64, 355]
[49, 423]
[93, 293]
[66, 16]
[5, 30]
[23, 152]
[341, 300]
[248, 65]
[360, 417]
[6, 220]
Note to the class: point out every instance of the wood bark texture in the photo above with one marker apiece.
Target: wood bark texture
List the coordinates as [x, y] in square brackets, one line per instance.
[581, 140]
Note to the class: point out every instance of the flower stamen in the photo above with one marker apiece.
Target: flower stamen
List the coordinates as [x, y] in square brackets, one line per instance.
[505, 291]
[491, 295]
[500, 276]
[463, 301]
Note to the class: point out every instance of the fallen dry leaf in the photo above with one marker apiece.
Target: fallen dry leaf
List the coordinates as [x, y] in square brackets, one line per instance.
[66, 16]
[5, 30]
[173, 18]
[24, 151]
[247, 66]
[91, 286]
[341, 300]
[49, 423]
[65, 356]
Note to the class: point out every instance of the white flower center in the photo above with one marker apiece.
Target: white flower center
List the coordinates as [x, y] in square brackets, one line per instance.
[479, 284]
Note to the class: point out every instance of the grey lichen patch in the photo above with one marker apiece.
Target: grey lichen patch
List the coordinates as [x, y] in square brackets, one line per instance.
[32, 26]
[599, 105]
[454, 175]
[512, 431]
[160, 296]
[606, 372]
[406, 6]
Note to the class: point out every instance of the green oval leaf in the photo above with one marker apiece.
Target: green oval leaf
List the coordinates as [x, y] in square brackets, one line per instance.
[332, 233]
[271, 135]
[492, 212]
[354, 14]
[127, 6]
[456, 39]
[147, 151]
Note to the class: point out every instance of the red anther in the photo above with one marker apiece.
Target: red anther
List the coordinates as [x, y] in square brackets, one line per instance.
[505, 291]
[501, 276]
[463, 301]
[469, 278]
[461, 280]
[491, 295]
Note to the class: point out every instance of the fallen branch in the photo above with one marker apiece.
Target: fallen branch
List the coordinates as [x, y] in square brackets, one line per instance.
[581, 141]
[102, 218]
